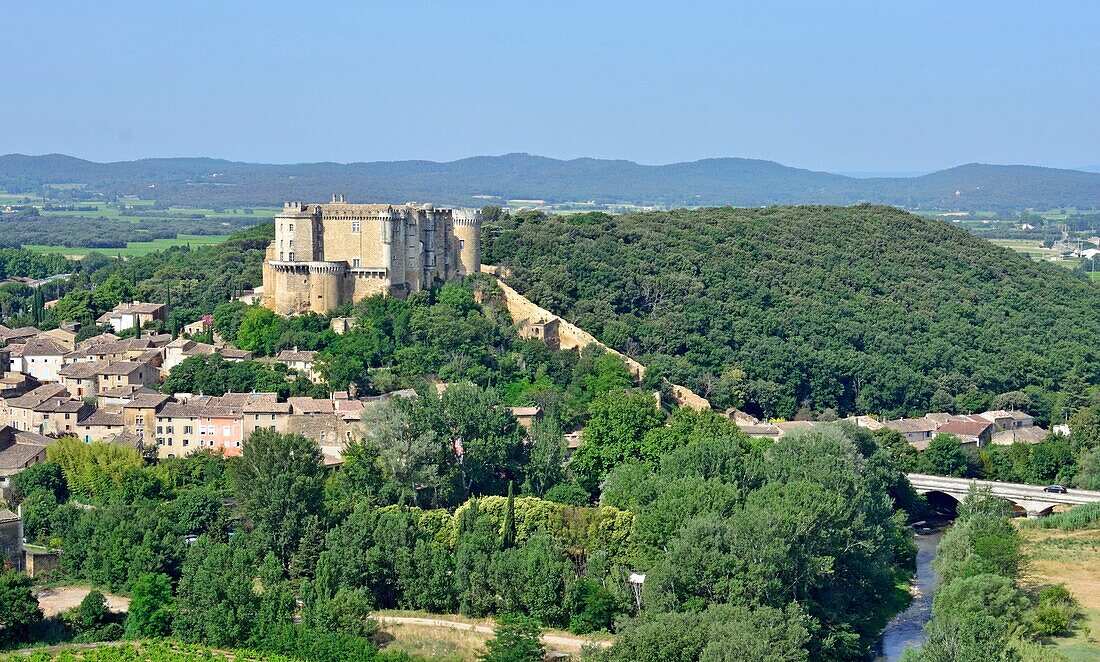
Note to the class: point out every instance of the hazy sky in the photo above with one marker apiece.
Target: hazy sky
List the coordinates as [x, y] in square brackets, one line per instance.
[842, 86]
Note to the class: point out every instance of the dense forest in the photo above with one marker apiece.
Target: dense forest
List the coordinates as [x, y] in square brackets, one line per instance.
[802, 310]
[723, 181]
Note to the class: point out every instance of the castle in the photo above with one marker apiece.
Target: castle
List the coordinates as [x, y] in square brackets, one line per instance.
[328, 254]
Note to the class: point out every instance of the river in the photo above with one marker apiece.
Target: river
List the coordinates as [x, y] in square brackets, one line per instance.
[907, 628]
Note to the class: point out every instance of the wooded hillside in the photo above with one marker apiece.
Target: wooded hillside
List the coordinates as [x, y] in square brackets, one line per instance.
[858, 309]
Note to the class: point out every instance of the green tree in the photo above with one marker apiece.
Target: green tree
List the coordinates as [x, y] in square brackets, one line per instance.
[508, 533]
[259, 331]
[516, 639]
[18, 608]
[617, 425]
[944, 456]
[151, 607]
[278, 484]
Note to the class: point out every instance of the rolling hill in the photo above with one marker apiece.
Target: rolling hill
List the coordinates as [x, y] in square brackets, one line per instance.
[863, 309]
[726, 181]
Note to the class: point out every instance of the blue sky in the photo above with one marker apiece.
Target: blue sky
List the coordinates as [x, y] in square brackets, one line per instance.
[841, 86]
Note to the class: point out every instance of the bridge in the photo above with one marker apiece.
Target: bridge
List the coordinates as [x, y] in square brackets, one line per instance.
[1032, 499]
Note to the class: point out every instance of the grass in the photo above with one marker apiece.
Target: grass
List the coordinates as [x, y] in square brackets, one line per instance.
[433, 643]
[1072, 557]
[134, 248]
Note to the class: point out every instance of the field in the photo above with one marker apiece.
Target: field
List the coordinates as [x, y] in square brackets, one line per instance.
[452, 638]
[1072, 557]
[134, 248]
[1033, 248]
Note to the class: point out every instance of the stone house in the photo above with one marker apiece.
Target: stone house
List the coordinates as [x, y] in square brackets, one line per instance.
[917, 431]
[527, 416]
[302, 361]
[40, 357]
[11, 539]
[19, 450]
[134, 315]
[59, 416]
[976, 433]
[101, 425]
[19, 412]
[1007, 420]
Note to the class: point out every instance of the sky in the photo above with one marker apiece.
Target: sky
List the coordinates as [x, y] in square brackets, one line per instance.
[841, 86]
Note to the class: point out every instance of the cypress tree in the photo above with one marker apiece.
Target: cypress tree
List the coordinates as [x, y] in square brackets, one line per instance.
[508, 536]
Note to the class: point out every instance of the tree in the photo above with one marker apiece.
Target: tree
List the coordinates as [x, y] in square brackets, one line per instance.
[44, 475]
[544, 463]
[617, 425]
[944, 456]
[516, 639]
[18, 608]
[216, 603]
[508, 533]
[278, 484]
[151, 607]
[259, 331]
[409, 454]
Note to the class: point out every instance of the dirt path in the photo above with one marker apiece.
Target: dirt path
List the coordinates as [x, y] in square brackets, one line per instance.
[55, 600]
[561, 642]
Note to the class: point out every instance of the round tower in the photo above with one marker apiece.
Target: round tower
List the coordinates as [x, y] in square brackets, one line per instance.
[467, 228]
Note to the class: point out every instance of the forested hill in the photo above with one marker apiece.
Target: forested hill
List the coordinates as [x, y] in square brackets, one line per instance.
[727, 181]
[863, 309]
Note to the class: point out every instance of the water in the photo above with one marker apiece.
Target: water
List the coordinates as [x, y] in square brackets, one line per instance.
[907, 628]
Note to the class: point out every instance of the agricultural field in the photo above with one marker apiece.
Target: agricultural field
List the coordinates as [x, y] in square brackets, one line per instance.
[134, 248]
[1033, 248]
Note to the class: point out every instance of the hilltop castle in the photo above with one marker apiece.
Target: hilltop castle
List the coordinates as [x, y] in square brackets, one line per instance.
[326, 255]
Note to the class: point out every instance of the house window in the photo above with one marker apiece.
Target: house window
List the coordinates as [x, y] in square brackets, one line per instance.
[160, 429]
[323, 437]
[187, 429]
[272, 428]
[185, 442]
[225, 430]
[273, 418]
[139, 420]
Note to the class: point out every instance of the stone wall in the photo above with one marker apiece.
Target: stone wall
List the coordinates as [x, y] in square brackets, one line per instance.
[526, 313]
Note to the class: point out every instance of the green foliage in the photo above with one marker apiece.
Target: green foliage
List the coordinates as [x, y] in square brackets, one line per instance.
[944, 456]
[211, 374]
[859, 309]
[1085, 516]
[721, 632]
[18, 608]
[278, 484]
[516, 639]
[94, 471]
[151, 607]
[617, 426]
[43, 475]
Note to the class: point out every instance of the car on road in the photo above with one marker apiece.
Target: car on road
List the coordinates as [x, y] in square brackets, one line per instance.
[1055, 489]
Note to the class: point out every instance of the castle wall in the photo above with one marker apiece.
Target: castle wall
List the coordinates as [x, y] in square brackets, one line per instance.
[530, 316]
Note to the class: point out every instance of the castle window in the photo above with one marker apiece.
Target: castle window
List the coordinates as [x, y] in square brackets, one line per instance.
[355, 263]
[355, 227]
[291, 256]
[290, 227]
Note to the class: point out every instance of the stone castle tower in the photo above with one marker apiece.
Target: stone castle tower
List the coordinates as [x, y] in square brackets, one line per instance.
[328, 254]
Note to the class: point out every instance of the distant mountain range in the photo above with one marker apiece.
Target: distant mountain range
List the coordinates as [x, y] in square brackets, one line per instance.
[491, 179]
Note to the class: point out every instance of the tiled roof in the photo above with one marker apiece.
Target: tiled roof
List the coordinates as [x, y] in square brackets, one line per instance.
[38, 396]
[43, 346]
[82, 369]
[104, 417]
[289, 355]
[146, 401]
[904, 425]
[310, 406]
[965, 428]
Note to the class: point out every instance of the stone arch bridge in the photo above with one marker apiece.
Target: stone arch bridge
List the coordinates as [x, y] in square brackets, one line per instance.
[1032, 499]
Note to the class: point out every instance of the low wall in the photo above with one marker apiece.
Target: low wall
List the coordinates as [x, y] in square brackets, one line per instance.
[571, 336]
